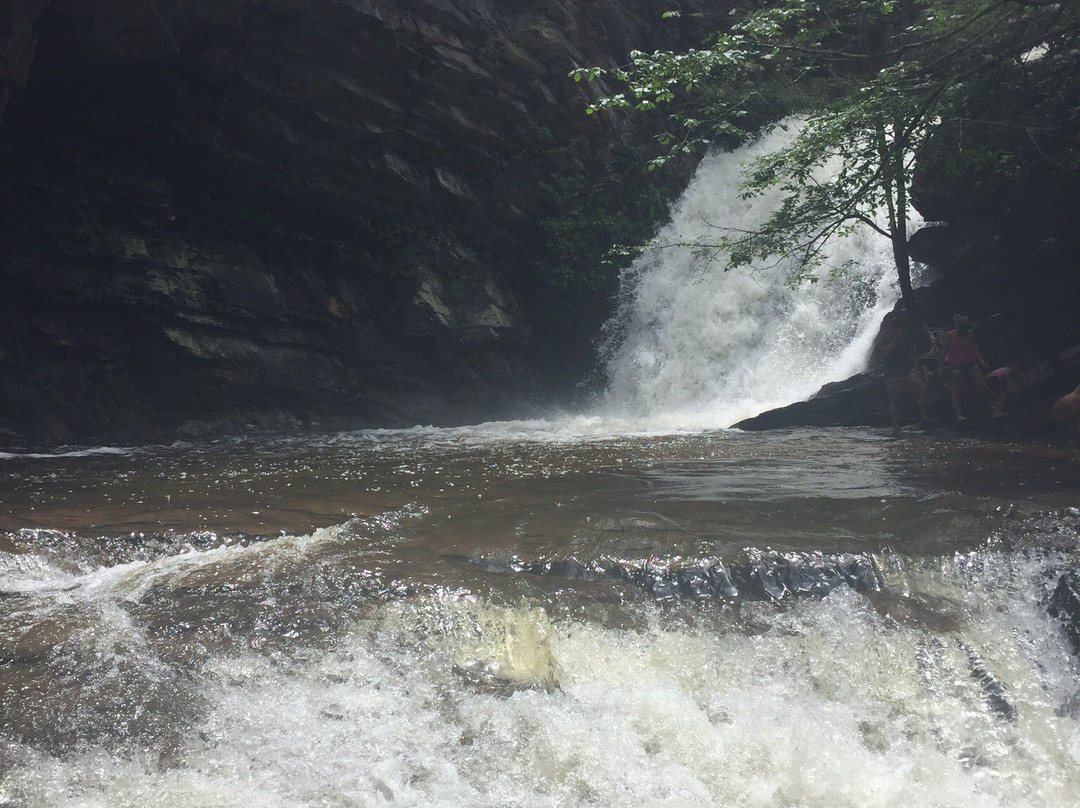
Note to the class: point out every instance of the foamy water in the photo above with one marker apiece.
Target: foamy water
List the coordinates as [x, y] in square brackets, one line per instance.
[88, 452]
[832, 702]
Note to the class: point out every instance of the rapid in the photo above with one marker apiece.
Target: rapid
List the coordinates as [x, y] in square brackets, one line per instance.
[630, 605]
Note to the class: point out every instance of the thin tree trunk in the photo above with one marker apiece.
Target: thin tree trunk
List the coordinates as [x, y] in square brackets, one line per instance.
[903, 271]
[898, 230]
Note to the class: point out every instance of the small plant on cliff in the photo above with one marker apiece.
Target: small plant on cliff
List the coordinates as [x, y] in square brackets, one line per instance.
[872, 81]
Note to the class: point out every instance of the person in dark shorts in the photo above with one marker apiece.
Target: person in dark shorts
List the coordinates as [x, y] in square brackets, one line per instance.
[964, 364]
[898, 353]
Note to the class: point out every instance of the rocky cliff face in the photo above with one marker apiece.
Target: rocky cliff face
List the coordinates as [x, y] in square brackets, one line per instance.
[325, 209]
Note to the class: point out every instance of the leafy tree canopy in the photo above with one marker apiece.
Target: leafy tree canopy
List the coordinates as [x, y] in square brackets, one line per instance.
[872, 79]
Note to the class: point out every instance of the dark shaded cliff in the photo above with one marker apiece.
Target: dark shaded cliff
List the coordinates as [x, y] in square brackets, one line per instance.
[328, 210]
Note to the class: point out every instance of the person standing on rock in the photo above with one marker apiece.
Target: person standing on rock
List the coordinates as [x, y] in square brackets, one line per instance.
[898, 365]
[964, 364]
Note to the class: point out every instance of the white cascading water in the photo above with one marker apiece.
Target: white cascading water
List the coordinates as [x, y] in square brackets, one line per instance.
[696, 347]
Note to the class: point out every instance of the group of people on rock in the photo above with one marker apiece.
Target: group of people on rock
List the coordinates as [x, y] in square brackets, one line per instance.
[957, 357]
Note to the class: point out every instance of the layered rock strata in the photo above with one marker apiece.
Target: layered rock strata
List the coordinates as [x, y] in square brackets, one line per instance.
[322, 209]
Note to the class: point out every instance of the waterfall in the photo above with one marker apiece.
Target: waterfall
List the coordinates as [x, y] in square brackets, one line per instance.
[696, 346]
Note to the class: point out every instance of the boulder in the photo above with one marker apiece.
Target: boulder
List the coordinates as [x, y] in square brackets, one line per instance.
[857, 401]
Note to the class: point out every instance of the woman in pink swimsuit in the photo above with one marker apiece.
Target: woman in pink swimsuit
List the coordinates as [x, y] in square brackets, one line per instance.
[964, 363]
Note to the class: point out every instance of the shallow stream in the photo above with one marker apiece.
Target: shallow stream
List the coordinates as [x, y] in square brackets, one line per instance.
[539, 614]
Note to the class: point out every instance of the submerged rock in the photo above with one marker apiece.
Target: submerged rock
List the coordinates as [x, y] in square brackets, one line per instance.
[1065, 605]
[995, 693]
[507, 649]
[765, 576]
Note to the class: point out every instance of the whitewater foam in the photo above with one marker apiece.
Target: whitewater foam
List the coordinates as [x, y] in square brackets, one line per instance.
[88, 452]
[694, 345]
[827, 704]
